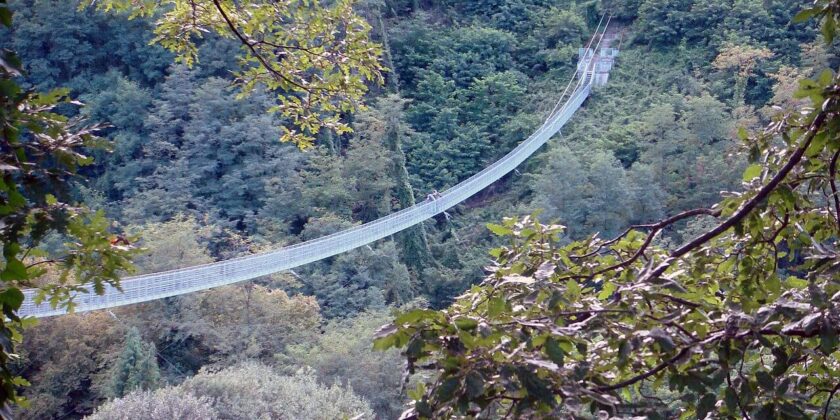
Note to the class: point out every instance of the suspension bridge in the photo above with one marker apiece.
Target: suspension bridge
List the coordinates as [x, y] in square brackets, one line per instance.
[594, 64]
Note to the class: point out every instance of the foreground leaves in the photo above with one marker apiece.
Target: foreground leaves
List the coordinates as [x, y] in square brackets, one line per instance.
[740, 322]
[40, 153]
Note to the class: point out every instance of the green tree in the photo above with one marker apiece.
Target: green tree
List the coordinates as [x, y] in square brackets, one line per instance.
[367, 278]
[317, 57]
[564, 27]
[62, 45]
[647, 199]
[342, 354]
[246, 391]
[684, 141]
[368, 172]
[175, 244]
[68, 382]
[161, 404]
[136, 367]
[663, 21]
[589, 192]
[415, 247]
[740, 321]
[248, 322]
[385, 122]
[207, 154]
[256, 391]
[744, 58]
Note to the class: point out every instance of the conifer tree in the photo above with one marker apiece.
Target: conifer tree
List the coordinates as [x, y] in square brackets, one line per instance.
[136, 368]
[413, 243]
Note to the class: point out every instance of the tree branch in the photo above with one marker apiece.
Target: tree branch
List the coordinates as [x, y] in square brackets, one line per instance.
[737, 396]
[656, 228]
[253, 50]
[813, 332]
[44, 262]
[648, 374]
[828, 402]
[750, 204]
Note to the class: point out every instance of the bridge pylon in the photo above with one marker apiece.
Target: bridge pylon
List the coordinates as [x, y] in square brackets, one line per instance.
[597, 62]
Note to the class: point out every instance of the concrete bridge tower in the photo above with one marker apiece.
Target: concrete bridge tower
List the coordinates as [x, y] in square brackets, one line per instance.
[599, 62]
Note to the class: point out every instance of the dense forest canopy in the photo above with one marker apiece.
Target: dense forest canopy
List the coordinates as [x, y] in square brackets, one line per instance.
[193, 171]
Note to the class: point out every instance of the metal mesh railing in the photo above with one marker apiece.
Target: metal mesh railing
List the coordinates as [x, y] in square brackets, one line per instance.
[186, 280]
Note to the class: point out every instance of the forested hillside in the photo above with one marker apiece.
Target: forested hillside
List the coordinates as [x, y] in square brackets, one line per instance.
[199, 174]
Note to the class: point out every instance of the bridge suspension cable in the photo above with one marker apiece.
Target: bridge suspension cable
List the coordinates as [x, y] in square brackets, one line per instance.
[560, 100]
[154, 286]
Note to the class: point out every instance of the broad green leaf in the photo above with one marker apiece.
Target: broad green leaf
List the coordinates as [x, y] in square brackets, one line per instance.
[12, 298]
[5, 15]
[828, 337]
[608, 289]
[384, 343]
[447, 388]
[804, 15]
[414, 348]
[417, 392]
[474, 384]
[536, 387]
[464, 323]
[572, 289]
[753, 171]
[706, 405]
[415, 315]
[624, 349]
[731, 400]
[796, 282]
[15, 270]
[496, 306]
[499, 230]
[829, 28]
[554, 352]
[765, 380]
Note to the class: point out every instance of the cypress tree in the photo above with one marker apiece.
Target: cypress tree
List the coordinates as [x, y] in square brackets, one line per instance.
[391, 78]
[412, 241]
[136, 367]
